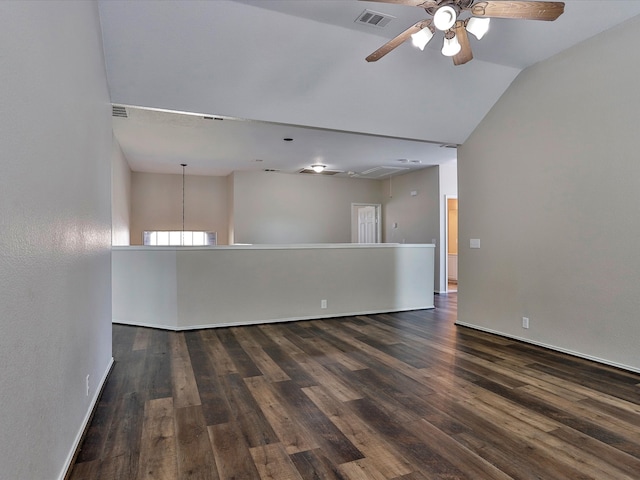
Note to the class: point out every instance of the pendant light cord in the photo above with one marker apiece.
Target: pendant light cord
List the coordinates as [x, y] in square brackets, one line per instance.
[183, 166]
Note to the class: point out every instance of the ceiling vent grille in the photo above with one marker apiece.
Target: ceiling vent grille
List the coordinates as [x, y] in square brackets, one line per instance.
[374, 19]
[119, 111]
[324, 172]
[381, 172]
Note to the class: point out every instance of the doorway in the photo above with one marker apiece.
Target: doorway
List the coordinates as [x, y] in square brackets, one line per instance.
[452, 243]
[365, 223]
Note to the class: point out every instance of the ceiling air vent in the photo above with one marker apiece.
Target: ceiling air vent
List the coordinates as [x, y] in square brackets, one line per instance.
[324, 172]
[381, 172]
[374, 19]
[119, 111]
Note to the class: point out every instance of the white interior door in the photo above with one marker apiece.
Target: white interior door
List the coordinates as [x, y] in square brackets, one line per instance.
[367, 223]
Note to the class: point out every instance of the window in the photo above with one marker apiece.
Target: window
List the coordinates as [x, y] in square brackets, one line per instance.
[179, 238]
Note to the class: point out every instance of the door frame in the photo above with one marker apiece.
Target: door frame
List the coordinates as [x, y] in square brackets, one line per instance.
[354, 220]
[446, 238]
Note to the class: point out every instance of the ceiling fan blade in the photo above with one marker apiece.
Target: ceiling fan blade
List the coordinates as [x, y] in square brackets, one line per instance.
[412, 3]
[465, 54]
[396, 42]
[526, 10]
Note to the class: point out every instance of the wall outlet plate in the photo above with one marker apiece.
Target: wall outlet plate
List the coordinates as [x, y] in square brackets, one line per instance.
[525, 322]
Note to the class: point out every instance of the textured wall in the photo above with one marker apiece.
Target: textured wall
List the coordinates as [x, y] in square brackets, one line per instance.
[55, 231]
[549, 184]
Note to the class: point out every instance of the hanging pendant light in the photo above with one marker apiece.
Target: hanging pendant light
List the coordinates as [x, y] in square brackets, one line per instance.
[182, 236]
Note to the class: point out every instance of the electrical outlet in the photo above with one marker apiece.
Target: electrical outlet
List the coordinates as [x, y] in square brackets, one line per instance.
[323, 304]
[87, 385]
[525, 322]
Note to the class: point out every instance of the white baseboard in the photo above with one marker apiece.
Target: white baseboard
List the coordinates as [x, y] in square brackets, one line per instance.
[552, 347]
[85, 423]
[261, 322]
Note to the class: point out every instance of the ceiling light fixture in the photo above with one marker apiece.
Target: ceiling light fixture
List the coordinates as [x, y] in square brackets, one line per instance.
[451, 44]
[456, 18]
[318, 168]
[478, 26]
[445, 17]
[421, 38]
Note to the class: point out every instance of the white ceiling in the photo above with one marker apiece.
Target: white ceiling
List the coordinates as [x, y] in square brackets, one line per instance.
[295, 68]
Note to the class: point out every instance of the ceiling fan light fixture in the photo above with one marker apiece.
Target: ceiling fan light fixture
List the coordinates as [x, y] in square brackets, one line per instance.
[451, 46]
[421, 38]
[445, 18]
[318, 168]
[478, 26]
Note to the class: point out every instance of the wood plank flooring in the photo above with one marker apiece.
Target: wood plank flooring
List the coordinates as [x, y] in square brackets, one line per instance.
[405, 396]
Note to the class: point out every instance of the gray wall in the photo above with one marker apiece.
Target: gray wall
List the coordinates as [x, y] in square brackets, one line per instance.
[417, 217]
[55, 224]
[156, 204]
[251, 207]
[120, 196]
[550, 183]
[272, 208]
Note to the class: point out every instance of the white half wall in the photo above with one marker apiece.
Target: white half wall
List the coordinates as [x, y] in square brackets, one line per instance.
[194, 287]
[55, 224]
[549, 183]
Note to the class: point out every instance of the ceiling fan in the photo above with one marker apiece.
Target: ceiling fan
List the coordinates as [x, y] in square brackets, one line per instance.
[446, 18]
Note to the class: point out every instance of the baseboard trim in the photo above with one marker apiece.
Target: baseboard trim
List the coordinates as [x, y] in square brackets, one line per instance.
[552, 347]
[262, 322]
[73, 453]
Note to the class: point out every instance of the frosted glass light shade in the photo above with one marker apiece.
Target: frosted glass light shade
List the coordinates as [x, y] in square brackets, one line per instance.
[451, 46]
[318, 168]
[421, 38]
[444, 18]
[478, 26]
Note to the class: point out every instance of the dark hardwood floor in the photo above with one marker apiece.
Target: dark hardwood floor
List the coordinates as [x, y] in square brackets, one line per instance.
[405, 396]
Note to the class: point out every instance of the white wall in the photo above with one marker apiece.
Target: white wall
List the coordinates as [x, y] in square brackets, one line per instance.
[448, 187]
[156, 204]
[549, 183]
[272, 208]
[120, 196]
[417, 216]
[55, 219]
[195, 288]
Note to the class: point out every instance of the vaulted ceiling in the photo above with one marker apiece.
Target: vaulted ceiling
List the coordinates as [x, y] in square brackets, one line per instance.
[272, 69]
